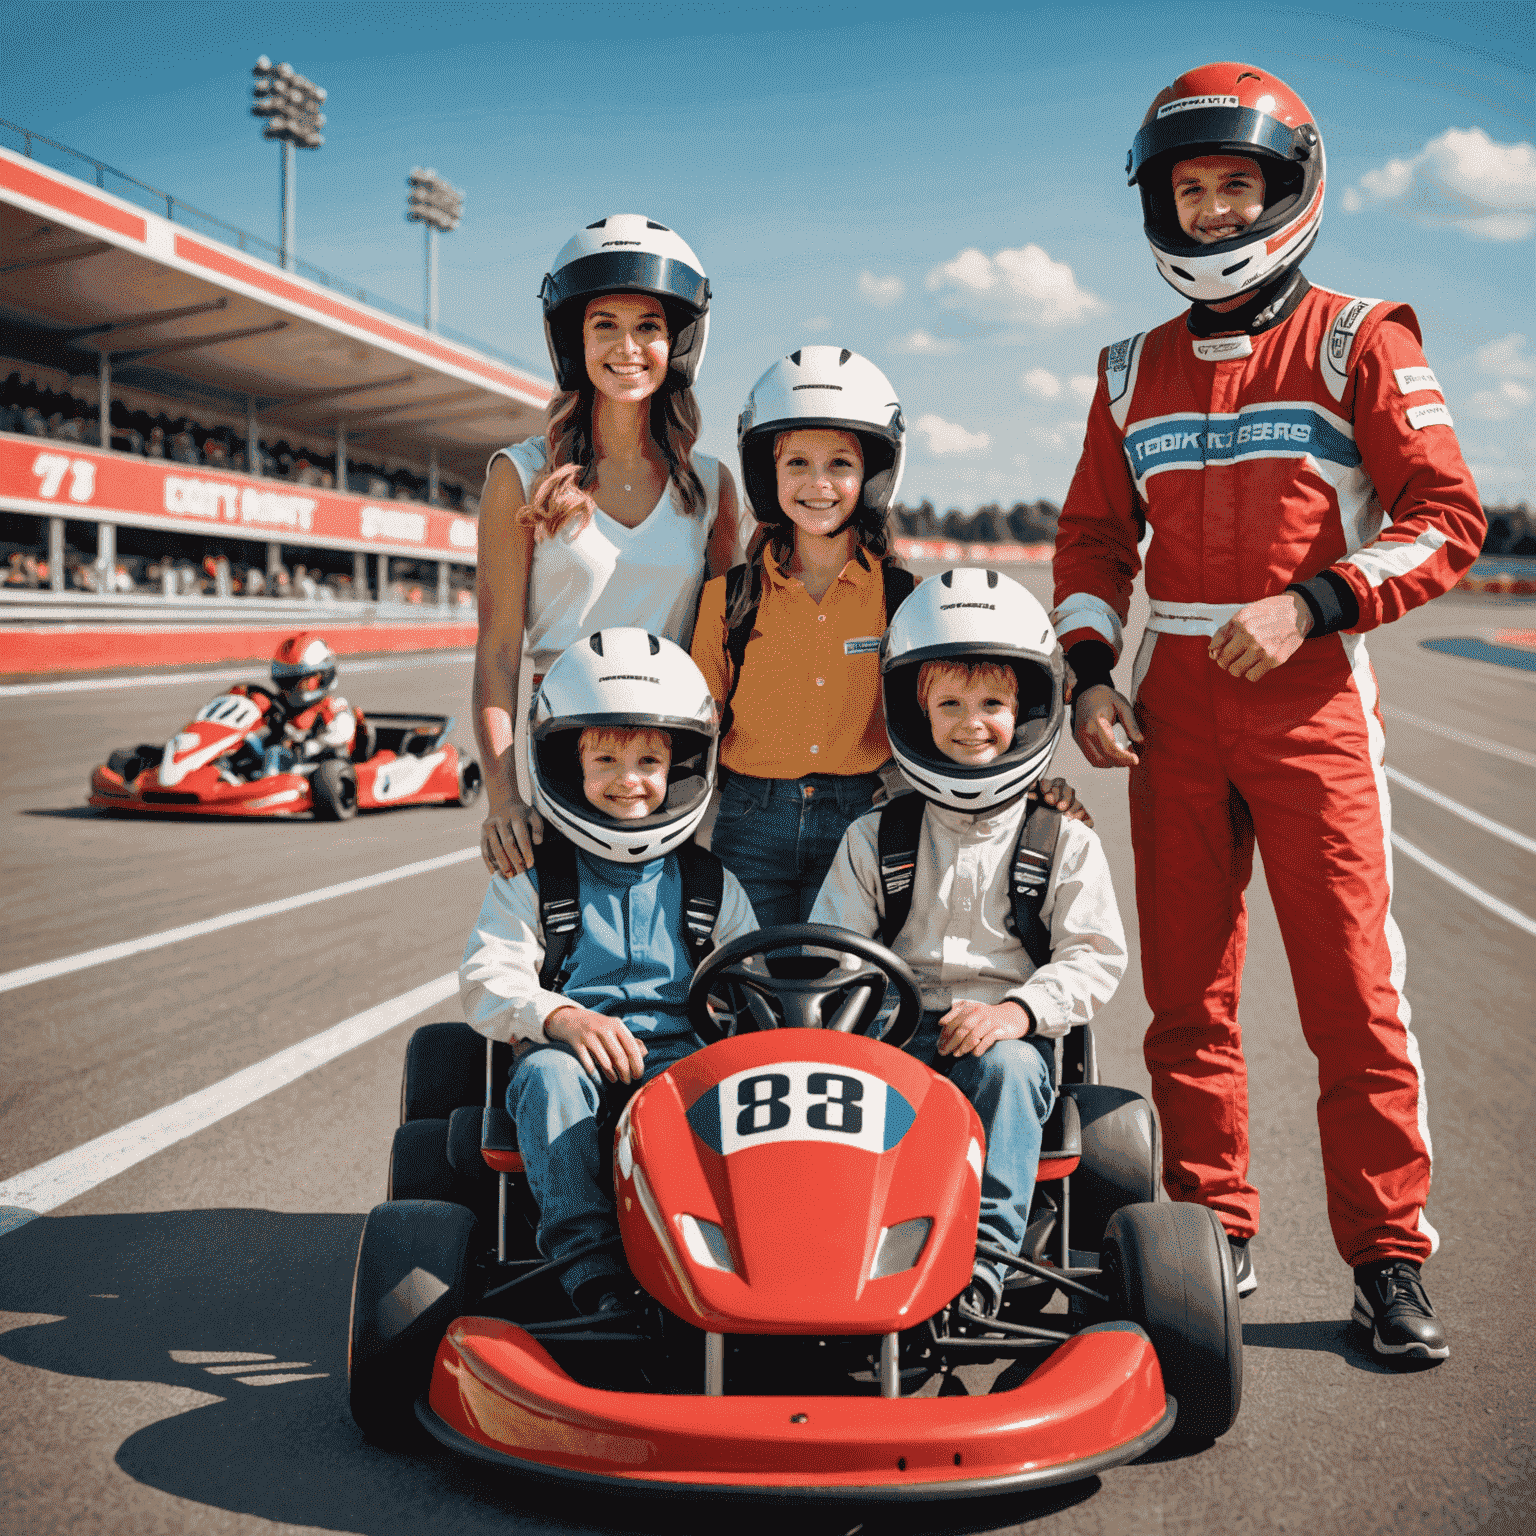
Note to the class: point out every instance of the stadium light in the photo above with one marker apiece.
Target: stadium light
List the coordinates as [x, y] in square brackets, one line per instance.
[291, 105]
[437, 206]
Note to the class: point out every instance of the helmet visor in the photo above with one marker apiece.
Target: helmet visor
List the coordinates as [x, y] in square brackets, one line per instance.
[1213, 130]
[627, 272]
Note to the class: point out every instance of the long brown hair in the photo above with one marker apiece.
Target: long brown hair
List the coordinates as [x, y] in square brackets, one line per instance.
[564, 489]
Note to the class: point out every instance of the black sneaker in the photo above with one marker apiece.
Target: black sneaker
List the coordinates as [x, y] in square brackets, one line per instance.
[982, 1299]
[1390, 1301]
[1242, 1266]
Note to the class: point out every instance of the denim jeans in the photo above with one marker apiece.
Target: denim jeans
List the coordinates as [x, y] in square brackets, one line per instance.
[1012, 1087]
[556, 1104]
[779, 836]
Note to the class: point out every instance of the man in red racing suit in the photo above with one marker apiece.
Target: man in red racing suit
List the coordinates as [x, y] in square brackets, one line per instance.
[1296, 465]
[302, 716]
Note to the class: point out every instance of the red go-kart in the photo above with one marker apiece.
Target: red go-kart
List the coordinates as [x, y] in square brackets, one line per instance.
[798, 1206]
[212, 768]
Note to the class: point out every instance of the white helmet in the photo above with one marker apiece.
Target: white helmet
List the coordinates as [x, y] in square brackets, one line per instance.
[1230, 109]
[624, 678]
[625, 253]
[823, 387]
[972, 615]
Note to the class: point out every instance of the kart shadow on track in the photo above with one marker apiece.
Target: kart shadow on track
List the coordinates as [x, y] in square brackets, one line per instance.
[247, 1309]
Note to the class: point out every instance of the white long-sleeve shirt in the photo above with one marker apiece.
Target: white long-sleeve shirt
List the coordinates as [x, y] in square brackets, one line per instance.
[956, 939]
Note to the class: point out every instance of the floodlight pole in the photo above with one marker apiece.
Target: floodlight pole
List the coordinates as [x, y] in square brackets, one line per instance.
[290, 213]
[436, 206]
[431, 230]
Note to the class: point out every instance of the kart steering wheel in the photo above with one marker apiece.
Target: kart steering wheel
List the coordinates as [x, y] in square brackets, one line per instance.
[799, 991]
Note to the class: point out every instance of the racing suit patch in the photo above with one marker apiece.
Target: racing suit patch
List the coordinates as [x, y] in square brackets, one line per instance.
[1289, 430]
[1435, 414]
[1333, 363]
[1217, 349]
[1411, 380]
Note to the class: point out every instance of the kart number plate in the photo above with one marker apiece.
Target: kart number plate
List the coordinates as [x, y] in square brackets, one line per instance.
[231, 710]
[801, 1101]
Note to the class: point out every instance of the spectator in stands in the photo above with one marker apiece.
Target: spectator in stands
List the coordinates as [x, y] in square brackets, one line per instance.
[216, 451]
[183, 446]
[33, 422]
[255, 583]
[154, 448]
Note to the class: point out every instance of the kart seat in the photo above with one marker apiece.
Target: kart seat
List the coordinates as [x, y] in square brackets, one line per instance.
[498, 1141]
[1062, 1143]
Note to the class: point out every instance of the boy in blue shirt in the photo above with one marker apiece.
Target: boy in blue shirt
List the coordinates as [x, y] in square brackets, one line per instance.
[622, 743]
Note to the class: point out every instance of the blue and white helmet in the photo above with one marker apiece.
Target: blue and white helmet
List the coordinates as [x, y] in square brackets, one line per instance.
[971, 615]
[625, 253]
[622, 678]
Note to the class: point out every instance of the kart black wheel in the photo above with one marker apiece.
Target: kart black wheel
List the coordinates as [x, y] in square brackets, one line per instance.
[418, 1162]
[1169, 1267]
[410, 1283]
[1120, 1159]
[444, 1069]
[333, 786]
[471, 781]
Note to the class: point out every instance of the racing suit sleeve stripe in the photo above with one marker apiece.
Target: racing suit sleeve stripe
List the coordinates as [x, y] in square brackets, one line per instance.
[1096, 556]
[1422, 481]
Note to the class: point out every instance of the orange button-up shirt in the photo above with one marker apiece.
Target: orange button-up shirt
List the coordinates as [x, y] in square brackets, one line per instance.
[809, 696]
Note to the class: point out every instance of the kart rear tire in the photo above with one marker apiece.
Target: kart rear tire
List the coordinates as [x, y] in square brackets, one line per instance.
[410, 1282]
[1169, 1268]
[1120, 1160]
[471, 781]
[444, 1070]
[418, 1163]
[333, 786]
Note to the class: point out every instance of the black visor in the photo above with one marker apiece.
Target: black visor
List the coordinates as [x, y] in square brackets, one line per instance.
[620, 271]
[1214, 131]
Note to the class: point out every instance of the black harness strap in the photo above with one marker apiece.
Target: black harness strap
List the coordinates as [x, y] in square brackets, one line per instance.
[560, 905]
[896, 583]
[901, 823]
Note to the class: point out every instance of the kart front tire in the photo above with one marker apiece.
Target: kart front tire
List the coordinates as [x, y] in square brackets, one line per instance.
[444, 1070]
[1120, 1159]
[1169, 1268]
[333, 787]
[410, 1282]
[471, 781]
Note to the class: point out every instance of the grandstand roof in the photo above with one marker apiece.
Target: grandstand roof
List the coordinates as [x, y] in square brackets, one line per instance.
[187, 316]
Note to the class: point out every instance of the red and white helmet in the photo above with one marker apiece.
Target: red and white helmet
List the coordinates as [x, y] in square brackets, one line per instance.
[304, 669]
[1230, 109]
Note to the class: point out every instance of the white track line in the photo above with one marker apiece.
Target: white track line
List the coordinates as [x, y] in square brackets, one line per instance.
[1456, 808]
[71, 1174]
[1434, 727]
[1465, 886]
[65, 965]
[224, 675]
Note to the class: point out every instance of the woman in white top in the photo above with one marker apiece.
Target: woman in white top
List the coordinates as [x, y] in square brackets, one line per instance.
[609, 518]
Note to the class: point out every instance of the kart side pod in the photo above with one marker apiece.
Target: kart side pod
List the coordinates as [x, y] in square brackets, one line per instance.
[800, 1182]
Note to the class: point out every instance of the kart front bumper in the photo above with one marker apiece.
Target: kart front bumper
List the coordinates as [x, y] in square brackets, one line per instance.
[281, 794]
[1096, 1402]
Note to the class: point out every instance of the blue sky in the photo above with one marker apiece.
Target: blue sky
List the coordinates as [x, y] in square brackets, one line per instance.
[829, 163]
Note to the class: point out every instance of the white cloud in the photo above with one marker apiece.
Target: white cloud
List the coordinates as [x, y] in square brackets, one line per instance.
[1501, 403]
[921, 344]
[946, 437]
[1023, 284]
[1464, 180]
[881, 291]
[1040, 384]
[815, 324]
[1507, 358]
[1083, 386]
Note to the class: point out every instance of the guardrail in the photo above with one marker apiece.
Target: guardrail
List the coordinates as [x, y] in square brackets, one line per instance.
[21, 606]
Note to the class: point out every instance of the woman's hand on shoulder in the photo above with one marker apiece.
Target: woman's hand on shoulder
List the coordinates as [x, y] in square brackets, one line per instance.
[507, 838]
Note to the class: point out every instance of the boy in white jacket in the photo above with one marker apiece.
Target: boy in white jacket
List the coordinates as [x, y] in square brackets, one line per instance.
[973, 697]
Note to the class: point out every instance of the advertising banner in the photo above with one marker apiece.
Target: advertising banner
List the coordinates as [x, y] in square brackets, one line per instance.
[63, 479]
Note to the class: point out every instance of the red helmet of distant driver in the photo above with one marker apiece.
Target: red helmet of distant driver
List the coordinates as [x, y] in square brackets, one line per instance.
[1230, 109]
[303, 669]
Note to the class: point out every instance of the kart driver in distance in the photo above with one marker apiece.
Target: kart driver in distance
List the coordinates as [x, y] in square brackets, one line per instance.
[1265, 437]
[304, 719]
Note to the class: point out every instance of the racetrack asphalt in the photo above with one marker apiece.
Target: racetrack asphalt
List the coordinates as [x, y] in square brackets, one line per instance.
[173, 1353]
